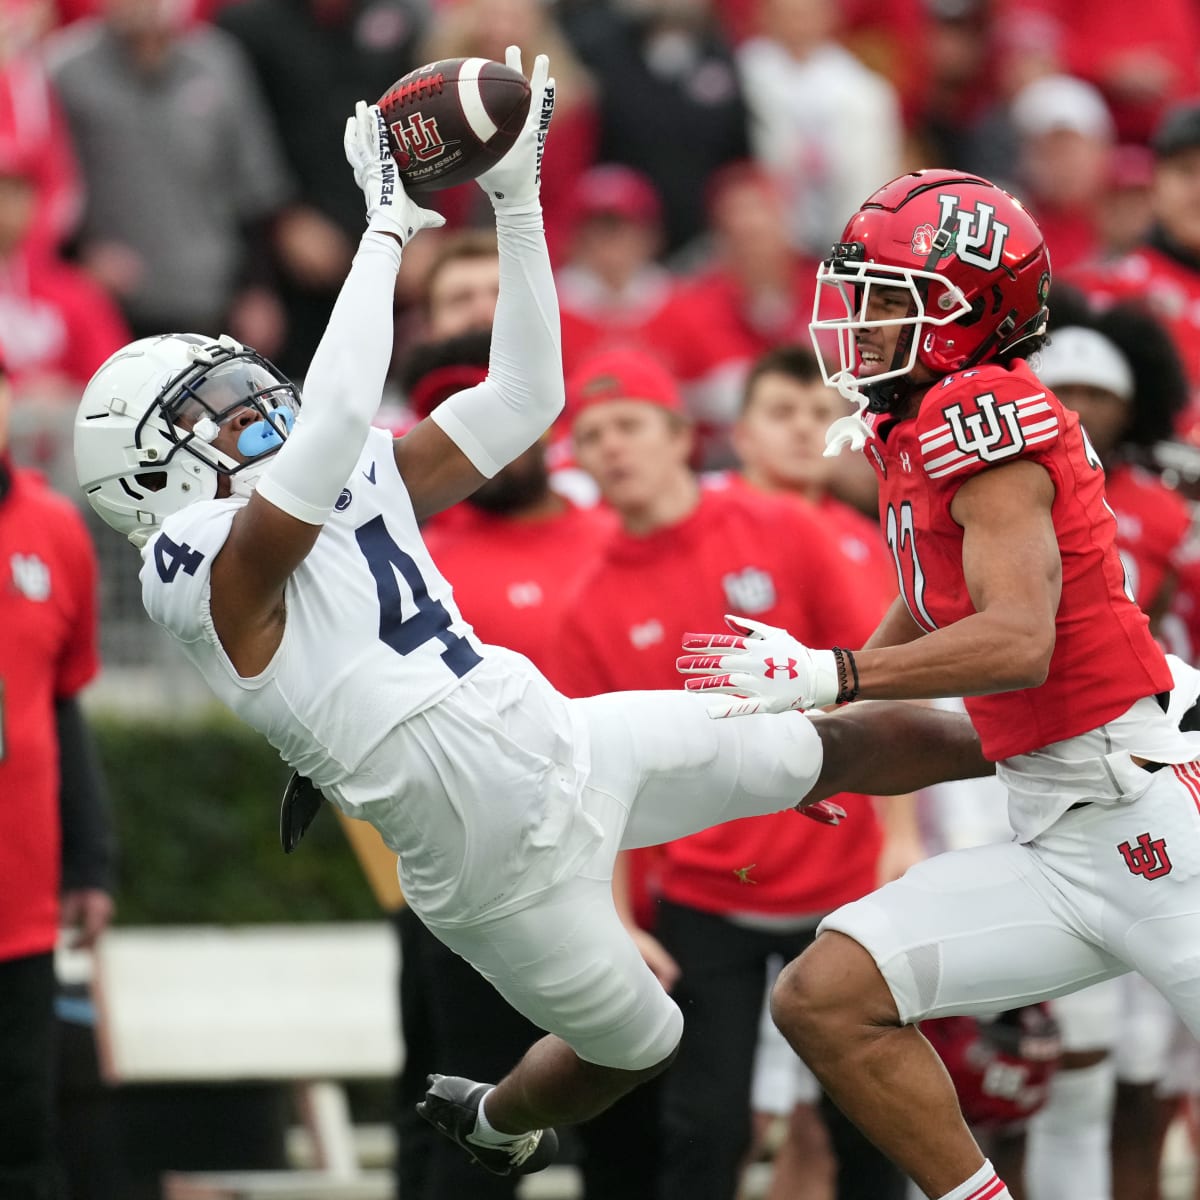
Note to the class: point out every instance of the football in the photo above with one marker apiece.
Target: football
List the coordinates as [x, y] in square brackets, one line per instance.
[449, 121]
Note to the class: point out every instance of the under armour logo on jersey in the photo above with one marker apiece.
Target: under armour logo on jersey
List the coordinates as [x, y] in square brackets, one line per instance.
[648, 633]
[771, 668]
[1148, 858]
[980, 239]
[992, 432]
[905, 461]
[31, 576]
[750, 591]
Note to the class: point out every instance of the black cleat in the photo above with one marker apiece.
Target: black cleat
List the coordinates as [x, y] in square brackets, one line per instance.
[451, 1106]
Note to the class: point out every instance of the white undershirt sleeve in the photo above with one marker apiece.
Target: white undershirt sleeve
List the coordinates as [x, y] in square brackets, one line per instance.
[523, 393]
[342, 389]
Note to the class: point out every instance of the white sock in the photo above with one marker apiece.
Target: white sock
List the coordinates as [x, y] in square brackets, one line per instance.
[484, 1133]
[985, 1184]
[1067, 1151]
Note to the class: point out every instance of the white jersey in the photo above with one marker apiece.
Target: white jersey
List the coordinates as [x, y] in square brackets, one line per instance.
[372, 635]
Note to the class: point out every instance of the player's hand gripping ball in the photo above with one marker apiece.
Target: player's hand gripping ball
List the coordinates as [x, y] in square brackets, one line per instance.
[449, 121]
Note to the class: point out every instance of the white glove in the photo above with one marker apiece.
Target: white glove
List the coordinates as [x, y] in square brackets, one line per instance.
[771, 673]
[389, 209]
[513, 184]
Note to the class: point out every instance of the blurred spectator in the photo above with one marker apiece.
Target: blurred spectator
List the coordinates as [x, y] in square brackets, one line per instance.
[462, 283]
[669, 99]
[56, 324]
[825, 125]
[959, 84]
[55, 853]
[314, 59]
[32, 126]
[780, 440]
[1064, 146]
[1125, 215]
[610, 286]
[484, 28]
[731, 897]
[1164, 272]
[756, 292]
[1141, 61]
[1118, 370]
[182, 169]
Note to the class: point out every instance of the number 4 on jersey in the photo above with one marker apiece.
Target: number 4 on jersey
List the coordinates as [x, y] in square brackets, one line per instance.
[170, 556]
[431, 620]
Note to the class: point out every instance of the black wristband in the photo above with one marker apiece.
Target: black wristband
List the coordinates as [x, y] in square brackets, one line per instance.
[847, 673]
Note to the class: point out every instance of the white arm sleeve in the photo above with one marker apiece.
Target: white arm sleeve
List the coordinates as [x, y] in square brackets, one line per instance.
[342, 389]
[496, 420]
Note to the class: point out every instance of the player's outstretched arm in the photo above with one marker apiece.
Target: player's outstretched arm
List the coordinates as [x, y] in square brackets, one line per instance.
[271, 536]
[476, 432]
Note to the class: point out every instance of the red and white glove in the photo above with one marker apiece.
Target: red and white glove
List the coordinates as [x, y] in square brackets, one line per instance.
[768, 671]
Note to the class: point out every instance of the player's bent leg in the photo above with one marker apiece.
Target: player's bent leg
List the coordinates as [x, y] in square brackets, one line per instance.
[833, 1006]
[567, 964]
[969, 932]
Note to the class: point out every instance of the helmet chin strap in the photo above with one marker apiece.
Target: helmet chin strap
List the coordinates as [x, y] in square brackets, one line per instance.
[851, 430]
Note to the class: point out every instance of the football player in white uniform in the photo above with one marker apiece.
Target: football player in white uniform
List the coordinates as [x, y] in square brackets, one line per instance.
[281, 548]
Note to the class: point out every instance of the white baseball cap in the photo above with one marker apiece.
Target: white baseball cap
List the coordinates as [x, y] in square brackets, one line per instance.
[1061, 102]
[1077, 355]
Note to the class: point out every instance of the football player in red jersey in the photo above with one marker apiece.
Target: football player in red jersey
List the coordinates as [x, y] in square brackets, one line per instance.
[1012, 595]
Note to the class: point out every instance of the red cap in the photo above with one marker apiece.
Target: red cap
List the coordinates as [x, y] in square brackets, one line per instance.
[612, 190]
[440, 384]
[622, 375]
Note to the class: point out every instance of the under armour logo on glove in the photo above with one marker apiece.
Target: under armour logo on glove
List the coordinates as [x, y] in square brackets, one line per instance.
[768, 671]
[772, 668]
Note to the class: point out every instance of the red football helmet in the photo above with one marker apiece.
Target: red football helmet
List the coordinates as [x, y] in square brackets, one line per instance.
[1001, 1068]
[973, 260]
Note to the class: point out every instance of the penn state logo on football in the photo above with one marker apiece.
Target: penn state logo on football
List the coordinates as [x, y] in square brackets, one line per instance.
[980, 238]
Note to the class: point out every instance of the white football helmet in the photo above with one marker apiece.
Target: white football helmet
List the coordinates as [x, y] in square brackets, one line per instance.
[148, 416]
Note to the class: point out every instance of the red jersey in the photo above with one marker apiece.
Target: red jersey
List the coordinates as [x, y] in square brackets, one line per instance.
[1153, 523]
[858, 538]
[1104, 657]
[512, 579]
[47, 651]
[761, 556]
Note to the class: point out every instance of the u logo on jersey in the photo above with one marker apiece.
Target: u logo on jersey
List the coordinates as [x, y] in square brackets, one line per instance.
[1147, 858]
[992, 432]
[980, 240]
